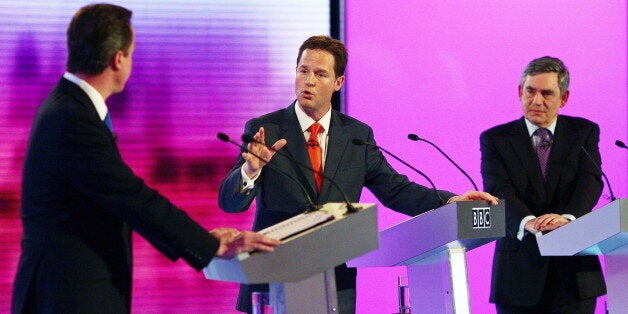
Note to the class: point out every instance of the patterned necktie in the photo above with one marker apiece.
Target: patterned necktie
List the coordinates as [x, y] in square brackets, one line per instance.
[107, 122]
[543, 147]
[316, 154]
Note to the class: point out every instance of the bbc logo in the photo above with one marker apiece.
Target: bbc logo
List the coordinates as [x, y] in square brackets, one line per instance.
[481, 217]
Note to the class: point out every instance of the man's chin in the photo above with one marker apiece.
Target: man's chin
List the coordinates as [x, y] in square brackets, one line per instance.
[535, 118]
[305, 104]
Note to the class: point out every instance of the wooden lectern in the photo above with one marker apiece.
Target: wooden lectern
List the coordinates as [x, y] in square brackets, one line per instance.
[301, 269]
[603, 231]
[432, 246]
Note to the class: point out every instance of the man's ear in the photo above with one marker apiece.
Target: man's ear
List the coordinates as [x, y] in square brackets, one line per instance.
[563, 101]
[338, 83]
[519, 91]
[116, 60]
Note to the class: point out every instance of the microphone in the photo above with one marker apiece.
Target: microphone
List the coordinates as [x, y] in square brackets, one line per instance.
[612, 196]
[621, 144]
[415, 138]
[350, 208]
[362, 142]
[311, 205]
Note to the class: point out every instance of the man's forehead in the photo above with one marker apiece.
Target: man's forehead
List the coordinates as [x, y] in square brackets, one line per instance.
[547, 78]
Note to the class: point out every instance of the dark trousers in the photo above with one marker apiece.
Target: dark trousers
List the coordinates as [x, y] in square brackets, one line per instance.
[556, 299]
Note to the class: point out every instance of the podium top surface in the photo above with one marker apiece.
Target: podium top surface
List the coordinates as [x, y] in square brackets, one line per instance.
[603, 231]
[306, 254]
[466, 224]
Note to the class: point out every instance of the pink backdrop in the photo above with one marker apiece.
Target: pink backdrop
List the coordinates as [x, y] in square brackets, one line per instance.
[448, 70]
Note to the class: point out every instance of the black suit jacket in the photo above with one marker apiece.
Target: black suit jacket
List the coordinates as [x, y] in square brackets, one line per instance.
[79, 203]
[352, 167]
[511, 171]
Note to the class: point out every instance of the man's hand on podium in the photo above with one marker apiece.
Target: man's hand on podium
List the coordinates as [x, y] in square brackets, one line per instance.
[549, 222]
[475, 196]
[233, 242]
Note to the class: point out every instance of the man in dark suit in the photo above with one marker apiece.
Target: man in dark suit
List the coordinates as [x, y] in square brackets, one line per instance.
[538, 165]
[80, 200]
[319, 73]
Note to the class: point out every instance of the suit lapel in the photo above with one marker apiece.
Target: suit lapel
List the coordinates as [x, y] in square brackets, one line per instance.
[338, 141]
[522, 145]
[291, 131]
[564, 139]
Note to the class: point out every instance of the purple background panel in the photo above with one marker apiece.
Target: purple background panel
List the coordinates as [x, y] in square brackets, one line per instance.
[448, 70]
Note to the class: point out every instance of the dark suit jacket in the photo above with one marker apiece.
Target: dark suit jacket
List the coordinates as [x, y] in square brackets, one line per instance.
[79, 203]
[511, 171]
[352, 167]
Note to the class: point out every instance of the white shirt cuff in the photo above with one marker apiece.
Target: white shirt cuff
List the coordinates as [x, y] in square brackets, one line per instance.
[248, 183]
[569, 216]
[522, 231]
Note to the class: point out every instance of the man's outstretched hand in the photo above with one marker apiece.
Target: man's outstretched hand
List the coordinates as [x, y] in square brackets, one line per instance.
[233, 242]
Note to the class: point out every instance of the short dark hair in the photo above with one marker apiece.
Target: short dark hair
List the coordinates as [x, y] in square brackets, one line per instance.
[548, 64]
[95, 34]
[331, 45]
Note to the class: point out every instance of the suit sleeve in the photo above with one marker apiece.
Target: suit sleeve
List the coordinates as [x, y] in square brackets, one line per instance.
[230, 199]
[84, 155]
[498, 182]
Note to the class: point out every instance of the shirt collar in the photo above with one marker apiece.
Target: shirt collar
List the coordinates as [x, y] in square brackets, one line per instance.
[305, 121]
[92, 93]
[532, 127]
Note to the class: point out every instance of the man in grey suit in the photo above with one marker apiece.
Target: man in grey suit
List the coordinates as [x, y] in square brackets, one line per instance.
[538, 165]
[80, 201]
[319, 73]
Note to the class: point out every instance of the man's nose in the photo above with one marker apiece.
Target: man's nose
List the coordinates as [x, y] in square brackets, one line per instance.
[538, 99]
[310, 79]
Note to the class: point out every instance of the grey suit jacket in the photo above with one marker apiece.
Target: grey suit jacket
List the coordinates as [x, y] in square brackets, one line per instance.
[510, 170]
[79, 203]
[352, 167]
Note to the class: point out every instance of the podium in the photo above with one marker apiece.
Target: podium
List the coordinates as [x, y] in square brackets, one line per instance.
[603, 231]
[432, 246]
[301, 269]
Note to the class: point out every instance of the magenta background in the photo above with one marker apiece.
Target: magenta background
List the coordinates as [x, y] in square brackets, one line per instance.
[448, 70]
[445, 70]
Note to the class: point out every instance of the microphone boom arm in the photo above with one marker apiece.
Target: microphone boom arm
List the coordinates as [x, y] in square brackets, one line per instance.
[415, 137]
[361, 142]
[612, 196]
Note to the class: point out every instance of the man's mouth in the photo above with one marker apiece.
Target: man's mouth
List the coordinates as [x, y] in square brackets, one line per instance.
[307, 94]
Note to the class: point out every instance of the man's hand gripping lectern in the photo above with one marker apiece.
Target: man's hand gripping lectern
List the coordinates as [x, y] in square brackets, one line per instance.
[301, 269]
[433, 245]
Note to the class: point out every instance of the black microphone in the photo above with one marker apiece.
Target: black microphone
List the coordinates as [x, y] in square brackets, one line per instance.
[311, 205]
[415, 138]
[621, 144]
[362, 142]
[612, 197]
[350, 208]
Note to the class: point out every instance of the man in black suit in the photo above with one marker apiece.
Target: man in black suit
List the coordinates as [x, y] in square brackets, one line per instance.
[538, 165]
[319, 73]
[80, 200]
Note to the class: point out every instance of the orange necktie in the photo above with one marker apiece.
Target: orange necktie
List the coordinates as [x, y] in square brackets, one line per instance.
[316, 154]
